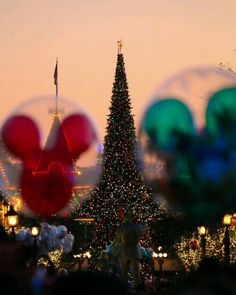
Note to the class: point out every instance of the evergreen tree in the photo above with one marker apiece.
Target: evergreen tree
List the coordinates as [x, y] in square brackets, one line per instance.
[121, 188]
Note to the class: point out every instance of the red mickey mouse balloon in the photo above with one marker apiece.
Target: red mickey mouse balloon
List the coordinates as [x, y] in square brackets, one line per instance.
[46, 181]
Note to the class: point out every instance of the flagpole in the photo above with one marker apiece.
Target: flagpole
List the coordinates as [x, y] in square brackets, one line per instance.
[57, 86]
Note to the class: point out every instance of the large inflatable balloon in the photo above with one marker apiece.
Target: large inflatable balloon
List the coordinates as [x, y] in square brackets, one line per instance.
[51, 238]
[199, 170]
[47, 176]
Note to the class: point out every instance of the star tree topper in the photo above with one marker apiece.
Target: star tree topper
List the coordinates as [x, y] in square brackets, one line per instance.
[120, 44]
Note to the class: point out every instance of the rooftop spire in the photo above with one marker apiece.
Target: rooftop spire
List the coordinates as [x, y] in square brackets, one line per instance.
[120, 44]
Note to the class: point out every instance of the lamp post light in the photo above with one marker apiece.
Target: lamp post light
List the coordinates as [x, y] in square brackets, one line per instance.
[35, 231]
[227, 220]
[202, 231]
[159, 256]
[12, 220]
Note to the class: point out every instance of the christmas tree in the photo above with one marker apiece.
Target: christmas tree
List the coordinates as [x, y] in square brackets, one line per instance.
[121, 188]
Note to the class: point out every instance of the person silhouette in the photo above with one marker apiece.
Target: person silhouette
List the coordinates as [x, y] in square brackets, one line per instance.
[103, 262]
[127, 240]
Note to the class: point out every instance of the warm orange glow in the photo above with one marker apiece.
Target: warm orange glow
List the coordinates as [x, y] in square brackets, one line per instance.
[227, 219]
[12, 221]
[160, 38]
[202, 230]
[16, 201]
[88, 220]
[35, 231]
[82, 187]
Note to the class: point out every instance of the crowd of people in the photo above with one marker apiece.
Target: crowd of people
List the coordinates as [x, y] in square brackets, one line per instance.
[20, 275]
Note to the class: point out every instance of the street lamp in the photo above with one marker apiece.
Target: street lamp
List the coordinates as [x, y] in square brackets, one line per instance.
[227, 220]
[159, 256]
[202, 231]
[35, 231]
[12, 219]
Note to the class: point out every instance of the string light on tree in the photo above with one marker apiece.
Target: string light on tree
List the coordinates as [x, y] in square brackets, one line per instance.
[191, 255]
[121, 188]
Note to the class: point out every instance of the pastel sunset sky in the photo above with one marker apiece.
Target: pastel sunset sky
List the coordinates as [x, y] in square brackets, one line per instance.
[160, 37]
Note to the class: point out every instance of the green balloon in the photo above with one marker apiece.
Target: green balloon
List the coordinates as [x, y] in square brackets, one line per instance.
[164, 118]
[221, 111]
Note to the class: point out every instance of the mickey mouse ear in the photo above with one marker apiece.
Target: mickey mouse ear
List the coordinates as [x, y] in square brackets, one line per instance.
[21, 136]
[80, 133]
[221, 113]
[164, 119]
